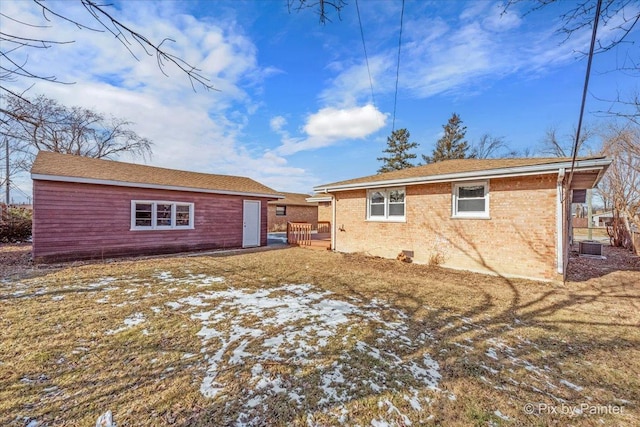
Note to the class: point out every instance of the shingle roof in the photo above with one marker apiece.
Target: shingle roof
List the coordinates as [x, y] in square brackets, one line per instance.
[293, 199]
[450, 167]
[67, 167]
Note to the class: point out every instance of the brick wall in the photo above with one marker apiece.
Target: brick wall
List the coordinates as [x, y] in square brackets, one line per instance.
[324, 211]
[294, 214]
[518, 240]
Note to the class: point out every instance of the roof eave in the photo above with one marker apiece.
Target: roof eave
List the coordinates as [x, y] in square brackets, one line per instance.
[542, 169]
[79, 180]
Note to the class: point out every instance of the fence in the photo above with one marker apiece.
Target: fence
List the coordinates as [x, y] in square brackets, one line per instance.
[324, 227]
[299, 233]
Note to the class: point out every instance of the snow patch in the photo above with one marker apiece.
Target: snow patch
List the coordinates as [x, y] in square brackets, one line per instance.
[572, 386]
[290, 326]
[129, 322]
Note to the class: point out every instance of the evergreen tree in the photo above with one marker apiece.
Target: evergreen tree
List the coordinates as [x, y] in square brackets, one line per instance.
[452, 145]
[398, 150]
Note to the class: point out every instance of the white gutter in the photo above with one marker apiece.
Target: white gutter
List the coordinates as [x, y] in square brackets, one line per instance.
[559, 222]
[334, 200]
[318, 199]
[35, 176]
[466, 176]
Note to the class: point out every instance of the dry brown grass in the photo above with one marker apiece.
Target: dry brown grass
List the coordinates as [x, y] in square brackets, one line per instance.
[500, 344]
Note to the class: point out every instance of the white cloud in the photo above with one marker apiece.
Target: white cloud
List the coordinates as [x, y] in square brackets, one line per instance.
[500, 19]
[473, 10]
[332, 125]
[277, 123]
[445, 54]
[351, 86]
[356, 122]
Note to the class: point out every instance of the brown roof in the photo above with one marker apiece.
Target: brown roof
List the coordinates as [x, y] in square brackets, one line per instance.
[86, 169]
[458, 166]
[293, 199]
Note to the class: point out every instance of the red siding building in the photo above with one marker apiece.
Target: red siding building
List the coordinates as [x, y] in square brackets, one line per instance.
[92, 208]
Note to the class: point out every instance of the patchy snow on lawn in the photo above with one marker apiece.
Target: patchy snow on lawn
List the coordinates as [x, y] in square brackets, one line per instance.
[503, 360]
[297, 345]
[129, 322]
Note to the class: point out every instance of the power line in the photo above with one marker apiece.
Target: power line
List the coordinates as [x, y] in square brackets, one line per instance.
[366, 58]
[596, 19]
[585, 89]
[395, 96]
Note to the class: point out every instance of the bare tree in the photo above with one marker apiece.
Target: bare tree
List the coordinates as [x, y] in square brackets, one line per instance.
[620, 15]
[13, 46]
[490, 147]
[556, 146]
[44, 124]
[625, 107]
[621, 184]
[322, 7]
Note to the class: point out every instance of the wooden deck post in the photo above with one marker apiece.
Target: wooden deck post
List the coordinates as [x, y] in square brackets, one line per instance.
[299, 233]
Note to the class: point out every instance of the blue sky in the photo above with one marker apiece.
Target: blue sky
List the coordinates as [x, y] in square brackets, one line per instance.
[295, 107]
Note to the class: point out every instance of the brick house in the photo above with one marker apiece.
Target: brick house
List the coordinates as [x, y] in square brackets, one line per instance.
[325, 212]
[92, 208]
[294, 207]
[509, 217]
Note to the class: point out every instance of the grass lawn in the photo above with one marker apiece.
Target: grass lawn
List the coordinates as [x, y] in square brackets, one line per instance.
[301, 337]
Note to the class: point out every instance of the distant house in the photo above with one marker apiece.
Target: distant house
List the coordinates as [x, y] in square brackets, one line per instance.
[294, 207]
[325, 213]
[603, 218]
[89, 208]
[504, 216]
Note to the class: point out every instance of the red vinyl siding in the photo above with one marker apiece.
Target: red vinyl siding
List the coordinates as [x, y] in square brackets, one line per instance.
[76, 221]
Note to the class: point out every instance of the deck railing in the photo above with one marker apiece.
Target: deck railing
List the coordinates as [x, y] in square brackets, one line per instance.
[299, 233]
[324, 227]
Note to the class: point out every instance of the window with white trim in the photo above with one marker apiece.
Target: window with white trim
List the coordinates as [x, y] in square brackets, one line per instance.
[471, 200]
[161, 215]
[386, 204]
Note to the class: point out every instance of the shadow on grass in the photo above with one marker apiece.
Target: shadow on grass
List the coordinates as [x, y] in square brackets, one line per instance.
[540, 333]
[533, 335]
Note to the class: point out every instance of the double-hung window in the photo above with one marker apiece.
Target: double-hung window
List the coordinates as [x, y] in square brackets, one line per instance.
[471, 200]
[386, 204]
[161, 215]
[281, 211]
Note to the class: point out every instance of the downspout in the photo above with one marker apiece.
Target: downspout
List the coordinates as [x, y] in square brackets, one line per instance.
[333, 221]
[560, 222]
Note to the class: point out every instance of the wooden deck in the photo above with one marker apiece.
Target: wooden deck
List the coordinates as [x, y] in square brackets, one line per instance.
[320, 241]
[300, 233]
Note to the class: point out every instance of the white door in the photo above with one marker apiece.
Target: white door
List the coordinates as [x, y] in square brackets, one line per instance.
[251, 223]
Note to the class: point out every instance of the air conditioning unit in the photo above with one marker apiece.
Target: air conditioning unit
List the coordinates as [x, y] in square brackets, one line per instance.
[590, 247]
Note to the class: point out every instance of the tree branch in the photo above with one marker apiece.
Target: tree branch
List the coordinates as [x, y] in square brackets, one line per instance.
[109, 23]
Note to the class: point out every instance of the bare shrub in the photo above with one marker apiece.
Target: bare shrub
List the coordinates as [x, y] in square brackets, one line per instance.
[436, 258]
[15, 224]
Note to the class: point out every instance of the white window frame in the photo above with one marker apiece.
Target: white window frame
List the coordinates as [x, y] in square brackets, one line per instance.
[386, 216]
[474, 214]
[154, 215]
